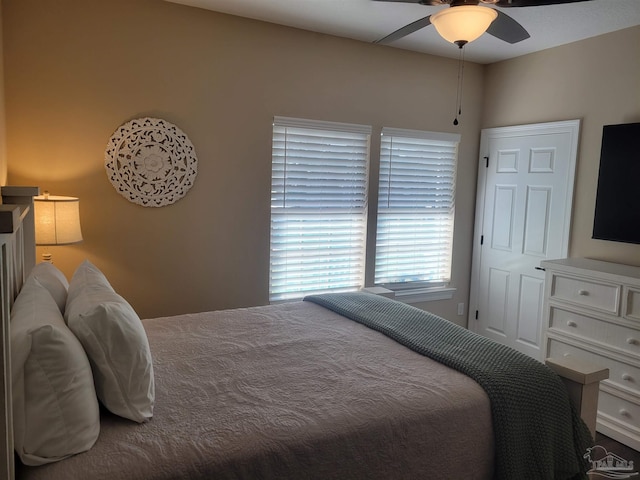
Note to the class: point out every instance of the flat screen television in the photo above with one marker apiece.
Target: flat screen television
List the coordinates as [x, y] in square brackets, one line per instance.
[617, 213]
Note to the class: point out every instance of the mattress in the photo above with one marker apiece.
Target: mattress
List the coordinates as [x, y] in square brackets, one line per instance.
[290, 391]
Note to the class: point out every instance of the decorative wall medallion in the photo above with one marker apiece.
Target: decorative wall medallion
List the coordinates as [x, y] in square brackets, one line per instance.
[151, 162]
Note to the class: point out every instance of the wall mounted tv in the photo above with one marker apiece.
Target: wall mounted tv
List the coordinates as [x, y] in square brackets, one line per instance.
[617, 214]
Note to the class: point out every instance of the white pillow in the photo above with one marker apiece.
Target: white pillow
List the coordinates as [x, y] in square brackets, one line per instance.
[55, 409]
[115, 341]
[87, 275]
[53, 280]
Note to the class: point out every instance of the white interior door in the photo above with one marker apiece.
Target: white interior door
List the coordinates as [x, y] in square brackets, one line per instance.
[523, 212]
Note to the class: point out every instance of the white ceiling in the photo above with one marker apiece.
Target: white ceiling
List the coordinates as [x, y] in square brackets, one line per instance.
[369, 20]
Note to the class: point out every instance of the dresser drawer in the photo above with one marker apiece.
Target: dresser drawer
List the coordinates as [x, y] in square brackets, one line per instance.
[620, 409]
[618, 337]
[623, 374]
[597, 296]
[631, 309]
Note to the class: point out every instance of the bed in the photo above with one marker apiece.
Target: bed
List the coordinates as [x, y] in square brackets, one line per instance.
[305, 390]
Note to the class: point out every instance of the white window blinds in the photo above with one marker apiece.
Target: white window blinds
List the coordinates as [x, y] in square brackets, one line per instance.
[318, 207]
[415, 207]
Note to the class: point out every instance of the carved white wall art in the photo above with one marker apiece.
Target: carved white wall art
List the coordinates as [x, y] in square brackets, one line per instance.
[151, 162]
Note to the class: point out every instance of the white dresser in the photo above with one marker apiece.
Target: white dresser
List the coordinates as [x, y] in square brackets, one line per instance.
[592, 313]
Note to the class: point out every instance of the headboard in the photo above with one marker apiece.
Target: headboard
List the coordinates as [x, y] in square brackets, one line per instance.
[17, 258]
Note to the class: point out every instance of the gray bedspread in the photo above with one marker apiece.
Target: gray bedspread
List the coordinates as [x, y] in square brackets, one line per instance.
[538, 434]
[291, 391]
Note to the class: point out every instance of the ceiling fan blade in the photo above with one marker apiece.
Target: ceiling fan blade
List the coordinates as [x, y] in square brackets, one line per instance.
[406, 30]
[533, 3]
[438, 2]
[506, 28]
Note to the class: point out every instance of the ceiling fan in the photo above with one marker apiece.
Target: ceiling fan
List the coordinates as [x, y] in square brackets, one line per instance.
[466, 20]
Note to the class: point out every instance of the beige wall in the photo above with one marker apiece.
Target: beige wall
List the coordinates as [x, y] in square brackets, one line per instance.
[3, 138]
[75, 70]
[595, 80]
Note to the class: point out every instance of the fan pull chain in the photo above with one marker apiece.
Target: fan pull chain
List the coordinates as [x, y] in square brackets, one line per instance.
[460, 83]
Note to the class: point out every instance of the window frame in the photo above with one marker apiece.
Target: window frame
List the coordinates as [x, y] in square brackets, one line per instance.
[408, 292]
[294, 211]
[420, 290]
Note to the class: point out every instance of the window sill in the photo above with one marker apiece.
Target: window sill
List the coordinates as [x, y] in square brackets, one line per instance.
[414, 295]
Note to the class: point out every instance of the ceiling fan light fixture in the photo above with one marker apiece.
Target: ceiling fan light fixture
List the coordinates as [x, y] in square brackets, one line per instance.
[463, 24]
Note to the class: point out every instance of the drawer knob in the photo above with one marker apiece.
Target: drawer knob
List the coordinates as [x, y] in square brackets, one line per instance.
[627, 377]
[624, 412]
[633, 341]
[584, 293]
[571, 323]
[567, 355]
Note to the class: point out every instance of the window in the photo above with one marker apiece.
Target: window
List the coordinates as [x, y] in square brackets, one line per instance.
[415, 208]
[318, 207]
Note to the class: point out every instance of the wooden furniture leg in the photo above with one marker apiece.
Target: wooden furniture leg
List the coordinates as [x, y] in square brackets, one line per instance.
[583, 383]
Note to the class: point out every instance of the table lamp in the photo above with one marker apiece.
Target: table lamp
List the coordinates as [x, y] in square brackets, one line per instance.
[57, 221]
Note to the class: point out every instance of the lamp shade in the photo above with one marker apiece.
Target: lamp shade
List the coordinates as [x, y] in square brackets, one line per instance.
[463, 24]
[57, 220]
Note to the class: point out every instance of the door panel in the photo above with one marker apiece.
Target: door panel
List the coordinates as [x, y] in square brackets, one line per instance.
[525, 191]
[537, 220]
[503, 214]
[531, 291]
[498, 292]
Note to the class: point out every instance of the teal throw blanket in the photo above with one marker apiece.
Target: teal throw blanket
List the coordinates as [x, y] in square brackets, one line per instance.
[538, 434]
